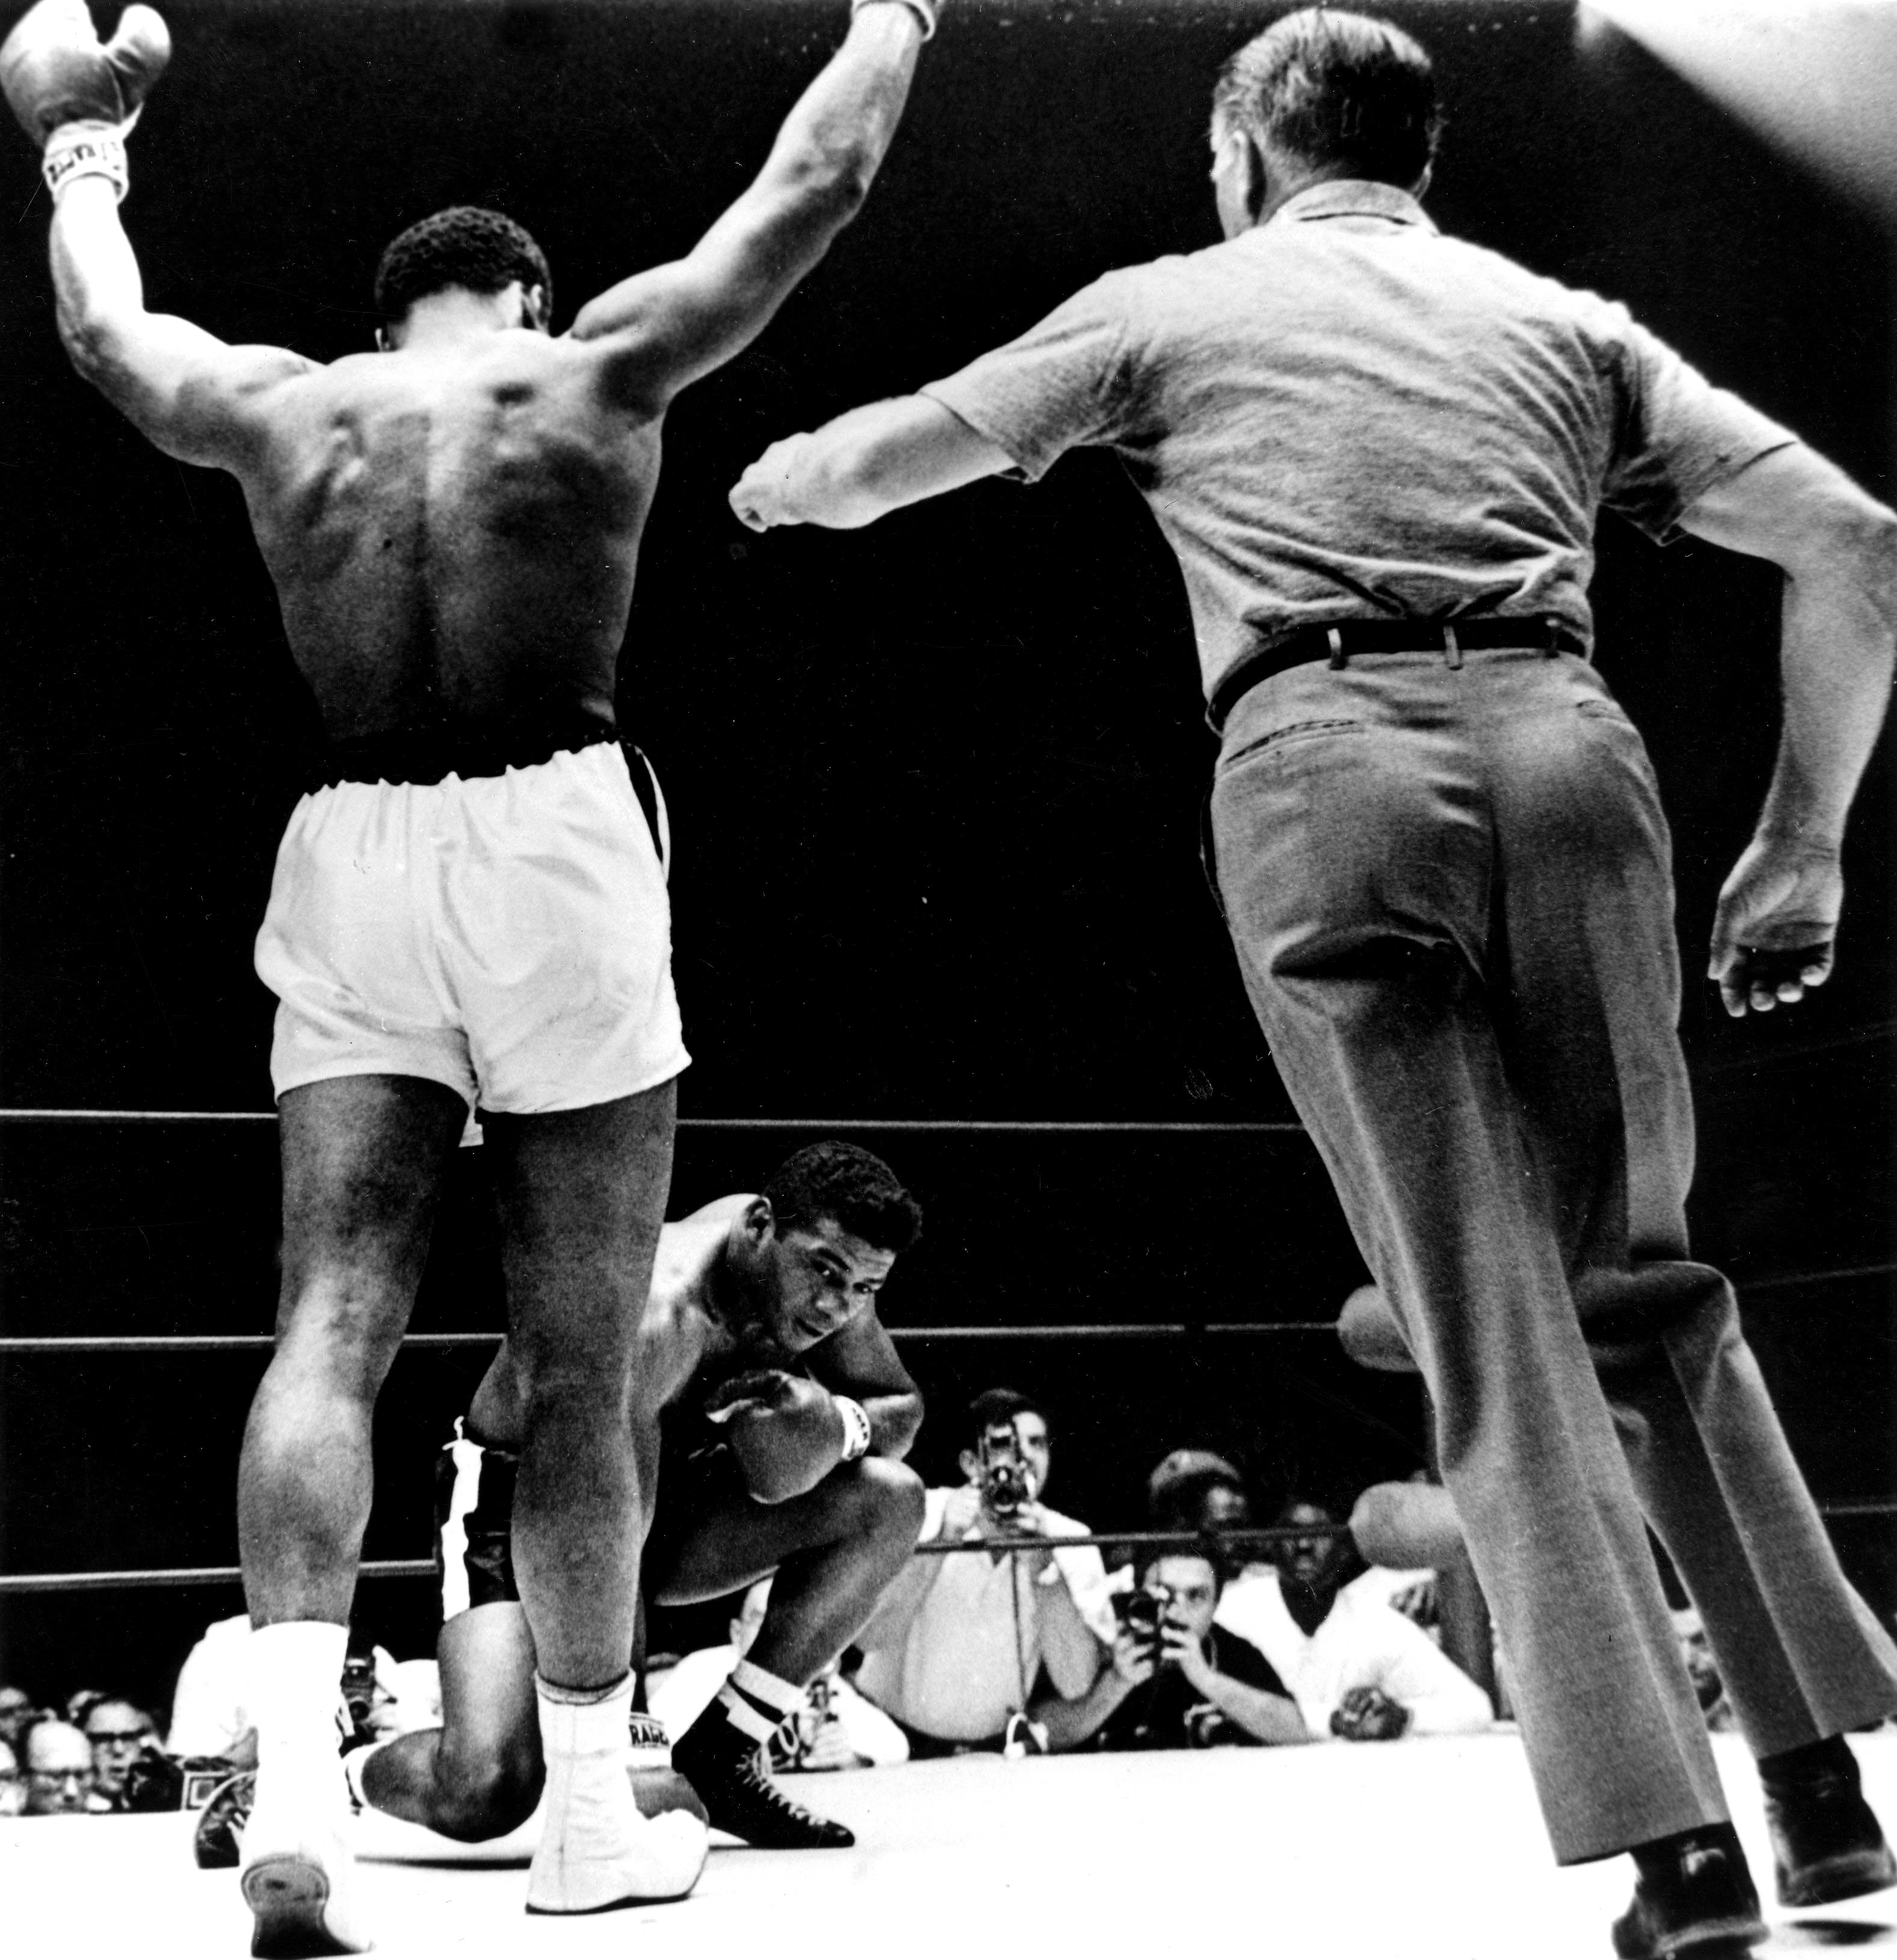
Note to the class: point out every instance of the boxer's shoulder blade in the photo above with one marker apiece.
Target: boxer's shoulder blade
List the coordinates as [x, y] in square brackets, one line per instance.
[472, 516]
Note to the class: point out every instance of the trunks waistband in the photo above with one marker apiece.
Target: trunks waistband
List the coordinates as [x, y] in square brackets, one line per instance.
[425, 755]
[1344, 638]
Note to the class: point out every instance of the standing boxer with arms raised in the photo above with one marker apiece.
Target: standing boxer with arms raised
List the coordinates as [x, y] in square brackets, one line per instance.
[471, 909]
[1379, 453]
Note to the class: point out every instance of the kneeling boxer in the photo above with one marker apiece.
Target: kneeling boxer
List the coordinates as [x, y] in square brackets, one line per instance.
[771, 1408]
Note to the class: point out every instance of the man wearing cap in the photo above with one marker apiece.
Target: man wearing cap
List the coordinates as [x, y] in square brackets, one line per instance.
[1200, 1491]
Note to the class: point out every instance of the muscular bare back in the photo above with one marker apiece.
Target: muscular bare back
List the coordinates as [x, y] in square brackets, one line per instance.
[453, 526]
[453, 530]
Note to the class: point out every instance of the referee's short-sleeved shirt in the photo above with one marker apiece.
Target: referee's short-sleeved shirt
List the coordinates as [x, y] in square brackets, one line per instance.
[1341, 413]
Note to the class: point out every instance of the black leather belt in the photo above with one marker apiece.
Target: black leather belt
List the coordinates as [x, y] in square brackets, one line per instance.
[428, 755]
[1346, 638]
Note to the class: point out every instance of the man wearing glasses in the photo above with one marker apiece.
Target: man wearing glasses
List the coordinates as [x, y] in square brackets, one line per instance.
[58, 1761]
[117, 1734]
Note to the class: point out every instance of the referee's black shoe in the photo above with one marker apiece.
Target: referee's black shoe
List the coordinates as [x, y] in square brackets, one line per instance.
[1826, 1842]
[726, 1768]
[1695, 1900]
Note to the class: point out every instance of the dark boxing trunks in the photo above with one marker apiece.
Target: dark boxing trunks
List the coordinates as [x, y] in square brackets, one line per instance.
[474, 1512]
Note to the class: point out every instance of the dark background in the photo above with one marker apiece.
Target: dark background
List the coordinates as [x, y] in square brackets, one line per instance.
[934, 786]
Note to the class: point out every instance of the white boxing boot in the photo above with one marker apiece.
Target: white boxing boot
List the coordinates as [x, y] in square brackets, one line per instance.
[296, 1871]
[596, 1850]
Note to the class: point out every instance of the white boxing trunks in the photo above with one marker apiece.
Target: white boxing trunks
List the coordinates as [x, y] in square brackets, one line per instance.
[507, 936]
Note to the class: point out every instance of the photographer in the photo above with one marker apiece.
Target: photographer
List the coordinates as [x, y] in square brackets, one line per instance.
[962, 1645]
[1176, 1681]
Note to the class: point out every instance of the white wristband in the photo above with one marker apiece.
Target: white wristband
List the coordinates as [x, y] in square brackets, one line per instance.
[76, 150]
[924, 10]
[856, 1427]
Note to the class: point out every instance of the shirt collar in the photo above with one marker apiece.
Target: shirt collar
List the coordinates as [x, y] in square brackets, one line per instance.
[1350, 197]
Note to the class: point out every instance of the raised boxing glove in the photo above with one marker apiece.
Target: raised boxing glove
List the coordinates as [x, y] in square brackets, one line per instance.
[75, 98]
[55, 71]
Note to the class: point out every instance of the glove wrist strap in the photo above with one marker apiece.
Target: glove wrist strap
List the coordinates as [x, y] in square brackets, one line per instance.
[924, 10]
[76, 150]
[856, 1427]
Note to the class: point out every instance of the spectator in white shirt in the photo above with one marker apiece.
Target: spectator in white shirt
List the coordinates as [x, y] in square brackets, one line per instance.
[964, 1642]
[1356, 1668]
[210, 1712]
[209, 1715]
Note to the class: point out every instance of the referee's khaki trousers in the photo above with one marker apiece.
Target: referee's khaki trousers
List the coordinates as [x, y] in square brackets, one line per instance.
[1449, 890]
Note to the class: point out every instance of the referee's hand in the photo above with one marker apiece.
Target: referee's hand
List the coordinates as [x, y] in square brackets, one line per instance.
[1776, 922]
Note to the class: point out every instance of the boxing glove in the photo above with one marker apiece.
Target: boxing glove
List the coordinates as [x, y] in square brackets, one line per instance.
[1371, 1336]
[785, 1430]
[54, 71]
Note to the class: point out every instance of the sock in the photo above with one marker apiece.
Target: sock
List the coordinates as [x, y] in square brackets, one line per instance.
[296, 1672]
[755, 1702]
[580, 1725]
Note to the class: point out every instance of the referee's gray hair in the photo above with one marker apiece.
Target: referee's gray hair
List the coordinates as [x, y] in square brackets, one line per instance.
[1336, 90]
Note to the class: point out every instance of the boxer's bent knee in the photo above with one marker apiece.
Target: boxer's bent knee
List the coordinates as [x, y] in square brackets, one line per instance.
[887, 1498]
[479, 1795]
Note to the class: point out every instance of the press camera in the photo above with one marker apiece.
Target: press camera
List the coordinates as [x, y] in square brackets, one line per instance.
[1142, 1612]
[1007, 1480]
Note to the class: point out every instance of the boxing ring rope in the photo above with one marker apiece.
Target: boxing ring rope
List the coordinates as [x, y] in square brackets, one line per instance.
[128, 1580]
[1255, 1536]
[207, 1344]
[826, 1126]
[21, 1584]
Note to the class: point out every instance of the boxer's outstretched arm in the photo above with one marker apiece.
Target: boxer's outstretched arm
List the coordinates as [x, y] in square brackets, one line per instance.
[677, 322]
[872, 460]
[189, 393]
[1778, 913]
